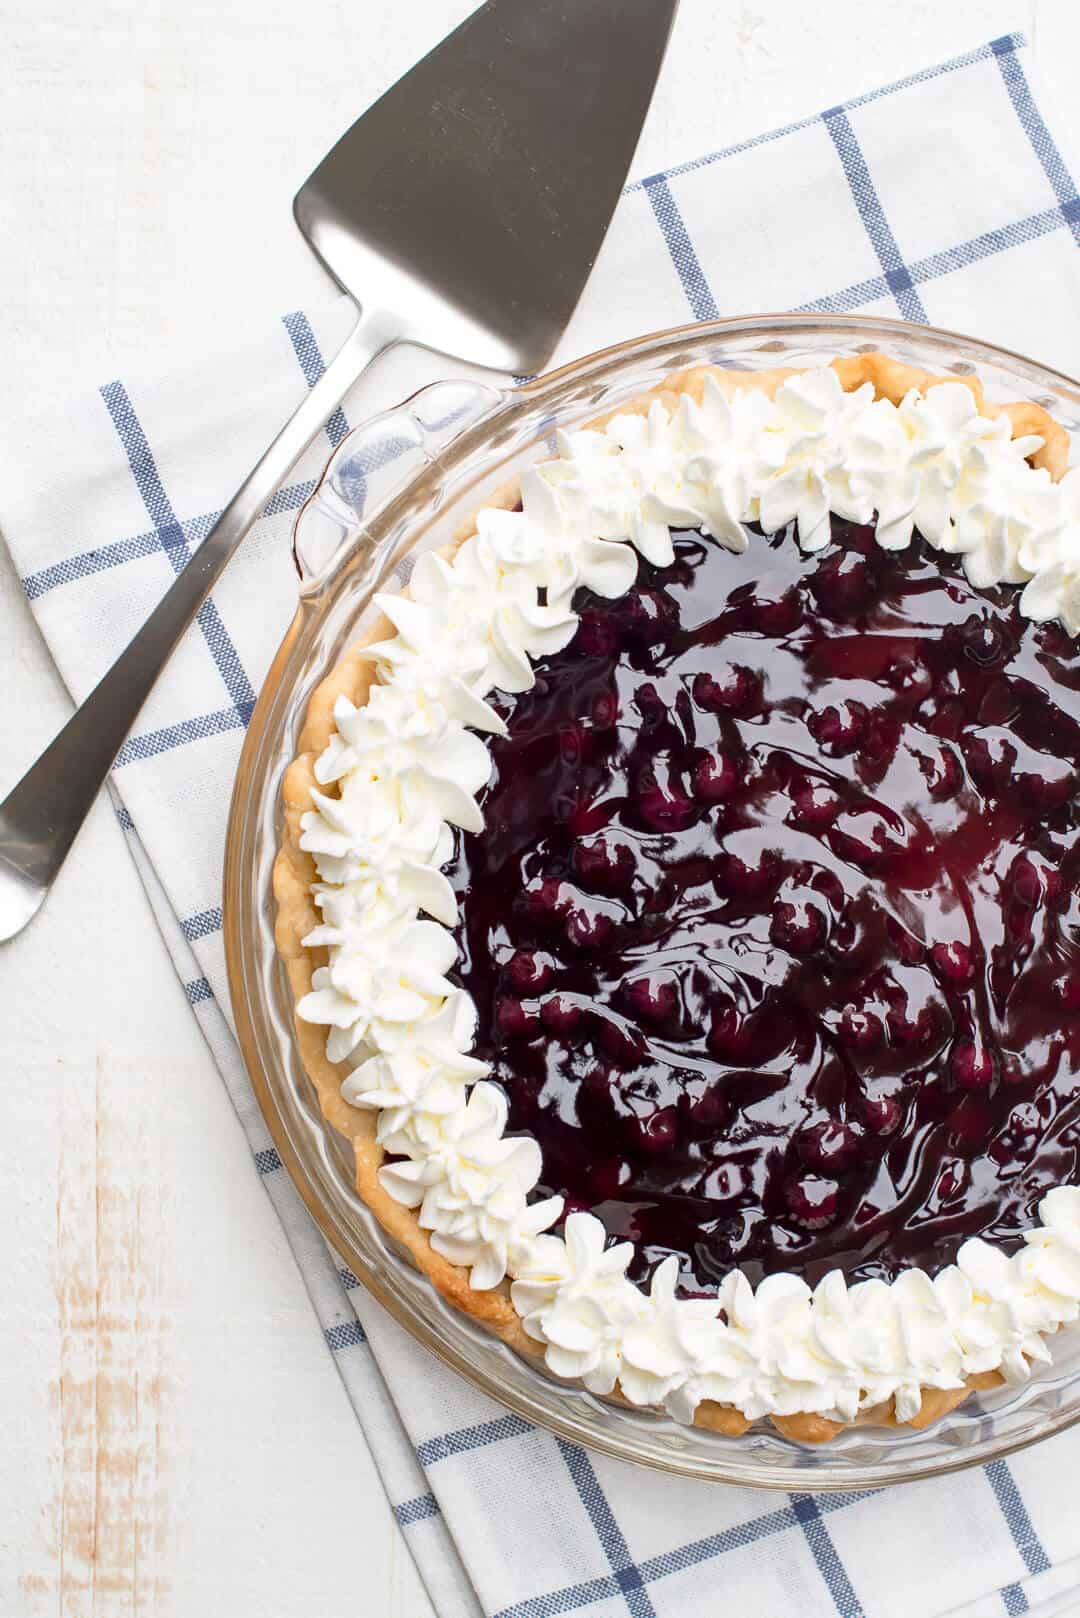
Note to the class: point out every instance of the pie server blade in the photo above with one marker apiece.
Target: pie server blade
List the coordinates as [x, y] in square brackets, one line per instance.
[464, 212]
[474, 196]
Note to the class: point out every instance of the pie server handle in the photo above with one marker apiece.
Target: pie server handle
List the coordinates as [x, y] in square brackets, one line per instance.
[41, 816]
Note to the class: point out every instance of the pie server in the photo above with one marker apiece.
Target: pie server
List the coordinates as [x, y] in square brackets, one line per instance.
[463, 212]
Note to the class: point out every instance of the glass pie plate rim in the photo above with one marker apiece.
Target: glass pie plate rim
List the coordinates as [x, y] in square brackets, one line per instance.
[399, 484]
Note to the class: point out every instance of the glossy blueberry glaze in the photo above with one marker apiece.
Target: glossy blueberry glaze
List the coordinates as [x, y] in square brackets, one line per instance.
[774, 926]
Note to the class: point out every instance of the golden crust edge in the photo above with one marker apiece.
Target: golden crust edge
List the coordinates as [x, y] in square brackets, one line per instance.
[294, 872]
[891, 379]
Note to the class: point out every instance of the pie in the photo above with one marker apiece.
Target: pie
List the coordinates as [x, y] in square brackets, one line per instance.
[680, 893]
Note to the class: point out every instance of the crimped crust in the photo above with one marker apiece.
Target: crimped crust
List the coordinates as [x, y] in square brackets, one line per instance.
[294, 874]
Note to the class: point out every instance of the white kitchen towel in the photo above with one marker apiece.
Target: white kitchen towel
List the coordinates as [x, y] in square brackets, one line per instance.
[943, 198]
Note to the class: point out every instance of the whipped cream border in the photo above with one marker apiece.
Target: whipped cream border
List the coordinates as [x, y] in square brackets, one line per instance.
[401, 771]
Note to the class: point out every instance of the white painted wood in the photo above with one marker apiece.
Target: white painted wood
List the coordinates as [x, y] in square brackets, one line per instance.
[161, 1373]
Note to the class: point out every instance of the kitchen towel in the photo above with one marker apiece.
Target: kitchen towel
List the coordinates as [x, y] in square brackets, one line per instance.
[944, 198]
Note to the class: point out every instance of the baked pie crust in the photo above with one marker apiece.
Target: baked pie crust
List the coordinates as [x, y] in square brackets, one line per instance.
[297, 914]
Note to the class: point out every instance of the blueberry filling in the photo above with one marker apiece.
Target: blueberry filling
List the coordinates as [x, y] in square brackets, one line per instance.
[774, 926]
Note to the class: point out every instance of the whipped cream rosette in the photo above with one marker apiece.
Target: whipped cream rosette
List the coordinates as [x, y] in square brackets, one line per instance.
[405, 769]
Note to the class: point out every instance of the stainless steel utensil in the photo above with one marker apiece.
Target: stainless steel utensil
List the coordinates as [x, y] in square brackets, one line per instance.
[463, 212]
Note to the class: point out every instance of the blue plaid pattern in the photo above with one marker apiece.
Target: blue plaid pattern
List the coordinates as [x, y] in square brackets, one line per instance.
[437, 1468]
[458, 1443]
[897, 275]
[348, 1334]
[174, 543]
[309, 355]
[632, 1581]
[207, 921]
[698, 292]
[1027, 1540]
[410, 1511]
[626, 1574]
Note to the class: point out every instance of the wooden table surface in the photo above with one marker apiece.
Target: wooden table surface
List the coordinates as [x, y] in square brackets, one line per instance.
[151, 149]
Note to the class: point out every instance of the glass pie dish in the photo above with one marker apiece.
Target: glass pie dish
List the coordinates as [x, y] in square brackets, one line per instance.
[402, 484]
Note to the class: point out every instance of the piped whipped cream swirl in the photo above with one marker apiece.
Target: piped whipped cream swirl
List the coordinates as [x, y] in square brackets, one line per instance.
[400, 772]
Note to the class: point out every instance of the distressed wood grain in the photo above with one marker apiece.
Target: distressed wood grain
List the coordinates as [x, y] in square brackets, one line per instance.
[113, 1395]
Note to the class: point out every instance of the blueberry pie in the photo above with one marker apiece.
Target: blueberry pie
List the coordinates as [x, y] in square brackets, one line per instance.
[680, 890]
